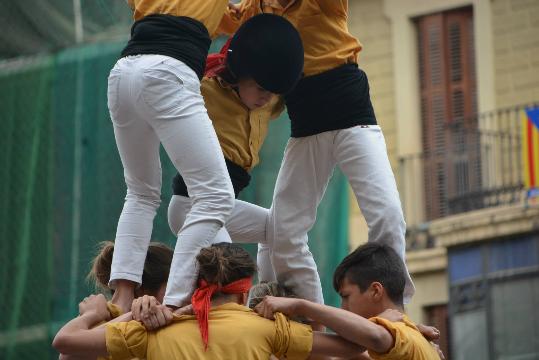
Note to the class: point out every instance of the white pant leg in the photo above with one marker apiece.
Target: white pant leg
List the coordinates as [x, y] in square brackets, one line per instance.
[264, 264]
[165, 94]
[138, 146]
[247, 224]
[361, 154]
[307, 167]
[178, 208]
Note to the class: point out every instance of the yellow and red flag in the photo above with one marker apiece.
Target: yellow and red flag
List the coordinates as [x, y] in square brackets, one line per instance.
[530, 150]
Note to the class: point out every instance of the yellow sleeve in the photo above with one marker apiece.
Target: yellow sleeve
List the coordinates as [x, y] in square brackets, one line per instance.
[292, 339]
[126, 340]
[277, 109]
[402, 347]
[329, 7]
[232, 20]
[114, 310]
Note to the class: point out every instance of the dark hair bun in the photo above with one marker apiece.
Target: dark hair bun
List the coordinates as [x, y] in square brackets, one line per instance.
[224, 263]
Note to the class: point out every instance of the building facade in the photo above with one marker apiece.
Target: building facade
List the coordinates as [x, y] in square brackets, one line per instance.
[450, 80]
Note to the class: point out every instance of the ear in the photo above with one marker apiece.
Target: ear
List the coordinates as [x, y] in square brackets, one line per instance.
[377, 291]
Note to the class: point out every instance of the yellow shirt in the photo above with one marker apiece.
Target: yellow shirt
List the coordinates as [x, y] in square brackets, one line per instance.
[322, 24]
[208, 12]
[115, 311]
[235, 332]
[241, 131]
[410, 344]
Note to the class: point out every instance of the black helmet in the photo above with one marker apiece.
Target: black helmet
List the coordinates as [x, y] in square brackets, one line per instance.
[268, 49]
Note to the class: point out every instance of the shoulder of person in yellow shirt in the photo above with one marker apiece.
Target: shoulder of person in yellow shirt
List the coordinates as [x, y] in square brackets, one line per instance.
[252, 336]
[114, 311]
[410, 344]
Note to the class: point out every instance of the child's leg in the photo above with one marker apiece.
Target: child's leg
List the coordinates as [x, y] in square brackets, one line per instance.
[164, 94]
[189, 139]
[264, 264]
[247, 224]
[304, 175]
[361, 154]
[138, 147]
[178, 208]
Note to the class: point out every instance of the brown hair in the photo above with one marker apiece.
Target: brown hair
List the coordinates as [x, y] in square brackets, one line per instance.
[373, 262]
[272, 288]
[154, 275]
[224, 263]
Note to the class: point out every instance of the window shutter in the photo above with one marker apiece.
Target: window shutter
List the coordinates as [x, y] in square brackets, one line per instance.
[448, 105]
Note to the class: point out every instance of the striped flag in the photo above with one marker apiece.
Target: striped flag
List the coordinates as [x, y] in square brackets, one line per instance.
[530, 150]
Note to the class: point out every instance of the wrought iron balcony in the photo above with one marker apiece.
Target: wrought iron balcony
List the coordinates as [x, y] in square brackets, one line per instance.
[475, 163]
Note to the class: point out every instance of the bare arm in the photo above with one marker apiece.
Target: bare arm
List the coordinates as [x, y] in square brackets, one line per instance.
[333, 346]
[75, 357]
[350, 326]
[236, 15]
[76, 338]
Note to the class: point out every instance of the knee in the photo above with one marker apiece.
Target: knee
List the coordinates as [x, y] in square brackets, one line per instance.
[178, 208]
[150, 199]
[219, 202]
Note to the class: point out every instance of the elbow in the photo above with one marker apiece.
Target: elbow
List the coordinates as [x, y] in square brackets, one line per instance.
[60, 343]
[380, 342]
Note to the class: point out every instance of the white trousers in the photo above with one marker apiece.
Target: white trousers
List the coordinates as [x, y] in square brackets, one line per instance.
[307, 167]
[155, 100]
[247, 224]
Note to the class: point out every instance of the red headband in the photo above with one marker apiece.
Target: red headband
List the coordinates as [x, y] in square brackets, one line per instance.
[202, 297]
[216, 63]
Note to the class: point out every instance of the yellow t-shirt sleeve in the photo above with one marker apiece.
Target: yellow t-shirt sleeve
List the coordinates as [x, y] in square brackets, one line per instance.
[292, 339]
[402, 346]
[231, 21]
[329, 7]
[114, 310]
[126, 340]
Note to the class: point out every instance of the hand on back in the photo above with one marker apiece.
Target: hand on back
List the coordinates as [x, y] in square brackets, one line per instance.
[150, 312]
[270, 305]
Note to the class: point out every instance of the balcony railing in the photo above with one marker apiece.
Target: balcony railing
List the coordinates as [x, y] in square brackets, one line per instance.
[476, 164]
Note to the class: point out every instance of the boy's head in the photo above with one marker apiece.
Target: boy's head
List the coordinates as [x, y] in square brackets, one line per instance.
[370, 280]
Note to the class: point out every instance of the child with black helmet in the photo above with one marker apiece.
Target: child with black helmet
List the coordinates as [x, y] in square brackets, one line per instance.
[154, 98]
[241, 89]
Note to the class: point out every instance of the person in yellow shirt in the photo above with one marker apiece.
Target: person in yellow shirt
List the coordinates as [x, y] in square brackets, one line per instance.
[370, 280]
[154, 276]
[223, 328]
[333, 124]
[154, 98]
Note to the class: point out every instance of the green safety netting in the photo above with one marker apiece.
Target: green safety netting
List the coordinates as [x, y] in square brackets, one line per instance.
[62, 190]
